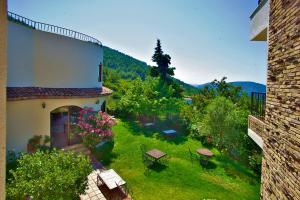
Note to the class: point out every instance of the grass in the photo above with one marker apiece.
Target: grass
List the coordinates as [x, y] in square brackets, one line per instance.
[181, 179]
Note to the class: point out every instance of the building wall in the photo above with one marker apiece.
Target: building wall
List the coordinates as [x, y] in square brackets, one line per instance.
[281, 161]
[20, 55]
[42, 59]
[3, 67]
[27, 118]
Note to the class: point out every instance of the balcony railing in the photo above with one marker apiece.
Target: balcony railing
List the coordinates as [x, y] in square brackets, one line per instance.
[51, 28]
[258, 104]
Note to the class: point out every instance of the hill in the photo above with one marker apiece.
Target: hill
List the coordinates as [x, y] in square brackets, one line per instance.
[247, 86]
[118, 65]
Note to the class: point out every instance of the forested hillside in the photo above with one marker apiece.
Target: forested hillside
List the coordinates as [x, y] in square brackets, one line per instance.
[117, 66]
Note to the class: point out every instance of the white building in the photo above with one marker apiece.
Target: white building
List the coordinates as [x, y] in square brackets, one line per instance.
[52, 73]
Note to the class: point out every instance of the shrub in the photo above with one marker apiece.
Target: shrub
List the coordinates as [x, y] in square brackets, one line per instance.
[255, 161]
[226, 124]
[49, 175]
[94, 127]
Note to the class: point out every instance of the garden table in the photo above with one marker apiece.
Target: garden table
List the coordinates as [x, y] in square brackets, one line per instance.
[169, 133]
[111, 179]
[156, 154]
[149, 124]
[205, 152]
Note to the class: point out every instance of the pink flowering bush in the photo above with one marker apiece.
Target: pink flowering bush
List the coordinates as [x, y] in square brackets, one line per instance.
[94, 127]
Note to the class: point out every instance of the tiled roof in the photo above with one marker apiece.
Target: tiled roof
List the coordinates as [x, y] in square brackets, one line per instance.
[20, 93]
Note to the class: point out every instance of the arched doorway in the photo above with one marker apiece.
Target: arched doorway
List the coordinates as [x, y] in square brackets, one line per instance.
[63, 126]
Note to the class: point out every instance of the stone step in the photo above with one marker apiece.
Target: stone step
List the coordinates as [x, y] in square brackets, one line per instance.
[72, 147]
[78, 148]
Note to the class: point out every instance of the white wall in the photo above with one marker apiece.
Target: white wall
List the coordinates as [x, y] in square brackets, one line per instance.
[20, 55]
[42, 59]
[27, 118]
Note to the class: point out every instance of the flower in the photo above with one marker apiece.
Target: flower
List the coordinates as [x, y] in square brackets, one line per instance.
[95, 126]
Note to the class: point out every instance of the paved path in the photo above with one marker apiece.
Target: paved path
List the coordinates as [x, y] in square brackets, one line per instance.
[92, 192]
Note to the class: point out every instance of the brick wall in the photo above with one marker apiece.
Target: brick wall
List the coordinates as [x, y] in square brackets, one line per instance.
[281, 163]
[256, 125]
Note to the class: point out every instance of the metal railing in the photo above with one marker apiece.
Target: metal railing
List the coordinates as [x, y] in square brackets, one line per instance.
[51, 28]
[258, 104]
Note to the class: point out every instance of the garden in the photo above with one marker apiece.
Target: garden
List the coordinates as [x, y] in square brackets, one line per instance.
[153, 119]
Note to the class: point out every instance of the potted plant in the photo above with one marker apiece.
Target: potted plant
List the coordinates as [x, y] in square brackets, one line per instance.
[38, 142]
[33, 143]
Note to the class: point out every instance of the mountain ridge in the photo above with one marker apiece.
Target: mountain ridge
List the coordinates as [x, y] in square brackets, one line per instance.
[247, 86]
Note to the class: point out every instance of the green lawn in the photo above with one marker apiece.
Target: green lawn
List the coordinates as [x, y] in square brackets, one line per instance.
[181, 179]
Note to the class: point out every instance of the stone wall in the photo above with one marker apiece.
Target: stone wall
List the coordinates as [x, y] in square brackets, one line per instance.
[281, 162]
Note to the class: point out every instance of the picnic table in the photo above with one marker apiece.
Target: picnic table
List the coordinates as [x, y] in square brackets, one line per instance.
[156, 154]
[110, 178]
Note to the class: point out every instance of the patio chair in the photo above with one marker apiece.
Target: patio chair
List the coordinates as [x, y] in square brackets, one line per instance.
[143, 148]
[147, 161]
[124, 191]
[193, 156]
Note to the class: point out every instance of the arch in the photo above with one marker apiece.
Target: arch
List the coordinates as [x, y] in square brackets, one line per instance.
[63, 126]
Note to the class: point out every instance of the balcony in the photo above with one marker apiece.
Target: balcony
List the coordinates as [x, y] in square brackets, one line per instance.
[259, 21]
[256, 125]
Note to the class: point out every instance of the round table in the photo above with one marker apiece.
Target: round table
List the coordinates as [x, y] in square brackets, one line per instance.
[205, 152]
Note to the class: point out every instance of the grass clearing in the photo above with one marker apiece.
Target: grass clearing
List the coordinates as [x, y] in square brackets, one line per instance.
[181, 179]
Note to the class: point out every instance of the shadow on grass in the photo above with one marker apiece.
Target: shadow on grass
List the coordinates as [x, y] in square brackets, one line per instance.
[157, 167]
[208, 164]
[235, 170]
[155, 131]
[109, 158]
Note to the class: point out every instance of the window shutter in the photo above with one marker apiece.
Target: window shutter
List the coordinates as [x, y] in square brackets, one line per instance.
[100, 73]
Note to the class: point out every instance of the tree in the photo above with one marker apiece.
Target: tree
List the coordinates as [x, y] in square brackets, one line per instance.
[163, 61]
[224, 122]
[49, 175]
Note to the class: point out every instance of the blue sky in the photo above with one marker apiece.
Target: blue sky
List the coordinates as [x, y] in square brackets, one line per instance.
[205, 39]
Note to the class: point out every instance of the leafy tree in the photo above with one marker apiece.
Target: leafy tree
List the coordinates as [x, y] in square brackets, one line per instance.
[49, 175]
[163, 61]
[149, 98]
[225, 123]
[220, 88]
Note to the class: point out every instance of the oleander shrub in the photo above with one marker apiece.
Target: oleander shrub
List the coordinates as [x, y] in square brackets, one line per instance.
[49, 175]
[95, 127]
